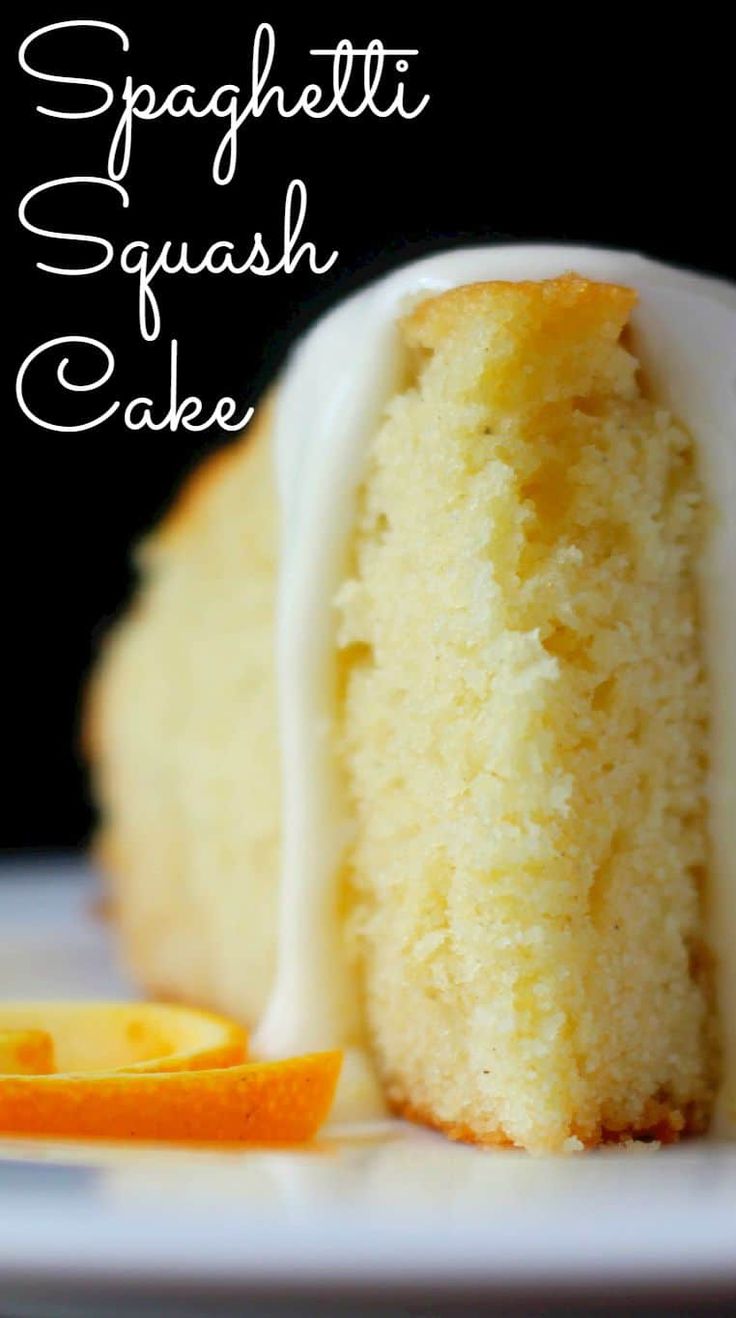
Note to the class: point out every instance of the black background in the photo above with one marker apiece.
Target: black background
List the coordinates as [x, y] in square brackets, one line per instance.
[541, 126]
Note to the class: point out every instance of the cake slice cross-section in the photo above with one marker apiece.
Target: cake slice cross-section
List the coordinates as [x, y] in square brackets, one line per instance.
[524, 729]
[405, 748]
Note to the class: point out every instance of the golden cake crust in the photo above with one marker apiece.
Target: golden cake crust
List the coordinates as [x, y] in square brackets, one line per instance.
[661, 1122]
[434, 318]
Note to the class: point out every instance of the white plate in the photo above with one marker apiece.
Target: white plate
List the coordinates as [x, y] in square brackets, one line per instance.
[388, 1211]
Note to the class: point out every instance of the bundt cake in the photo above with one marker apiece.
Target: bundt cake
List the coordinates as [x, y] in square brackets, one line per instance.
[407, 743]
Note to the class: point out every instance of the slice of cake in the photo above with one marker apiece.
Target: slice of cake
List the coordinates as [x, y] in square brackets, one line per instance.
[524, 728]
[414, 756]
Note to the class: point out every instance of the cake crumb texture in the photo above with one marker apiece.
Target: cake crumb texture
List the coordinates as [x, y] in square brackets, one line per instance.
[523, 718]
[181, 732]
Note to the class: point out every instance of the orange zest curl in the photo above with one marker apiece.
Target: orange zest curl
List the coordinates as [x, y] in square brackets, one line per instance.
[150, 1071]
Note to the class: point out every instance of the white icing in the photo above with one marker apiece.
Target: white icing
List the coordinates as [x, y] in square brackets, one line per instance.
[334, 389]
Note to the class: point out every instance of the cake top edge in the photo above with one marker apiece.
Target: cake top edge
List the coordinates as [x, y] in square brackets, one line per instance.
[537, 302]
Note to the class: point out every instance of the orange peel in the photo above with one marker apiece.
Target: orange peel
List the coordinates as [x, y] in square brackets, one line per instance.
[151, 1071]
[26, 1052]
[127, 1036]
[256, 1103]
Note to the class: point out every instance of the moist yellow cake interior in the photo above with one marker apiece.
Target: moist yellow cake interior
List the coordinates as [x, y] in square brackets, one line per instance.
[524, 728]
[521, 723]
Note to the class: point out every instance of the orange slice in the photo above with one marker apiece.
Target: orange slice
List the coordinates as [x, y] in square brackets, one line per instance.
[258, 1102]
[125, 1036]
[26, 1052]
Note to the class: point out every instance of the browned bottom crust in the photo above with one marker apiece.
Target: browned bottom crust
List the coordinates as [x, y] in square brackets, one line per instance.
[661, 1122]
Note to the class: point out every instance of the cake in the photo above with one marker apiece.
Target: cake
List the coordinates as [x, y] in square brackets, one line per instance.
[403, 745]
